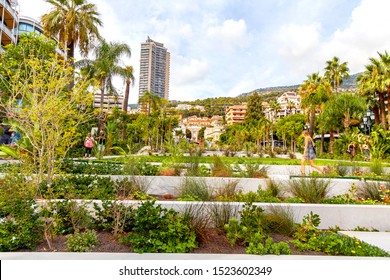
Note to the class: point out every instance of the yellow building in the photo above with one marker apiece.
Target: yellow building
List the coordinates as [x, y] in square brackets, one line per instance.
[236, 114]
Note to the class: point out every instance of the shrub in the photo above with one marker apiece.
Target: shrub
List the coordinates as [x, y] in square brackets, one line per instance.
[310, 190]
[158, 230]
[252, 231]
[20, 224]
[81, 242]
[68, 216]
[113, 216]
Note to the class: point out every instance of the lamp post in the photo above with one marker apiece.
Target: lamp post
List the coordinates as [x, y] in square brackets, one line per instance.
[368, 120]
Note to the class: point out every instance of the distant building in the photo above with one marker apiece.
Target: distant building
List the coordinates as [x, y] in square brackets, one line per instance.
[290, 103]
[9, 18]
[110, 102]
[189, 107]
[236, 114]
[213, 125]
[154, 69]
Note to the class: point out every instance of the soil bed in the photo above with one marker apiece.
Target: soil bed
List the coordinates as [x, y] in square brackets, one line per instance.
[216, 243]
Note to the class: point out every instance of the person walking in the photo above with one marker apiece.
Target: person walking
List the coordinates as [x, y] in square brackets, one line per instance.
[351, 150]
[101, 140]
[366, 151]
[88, 144]
[309, 153]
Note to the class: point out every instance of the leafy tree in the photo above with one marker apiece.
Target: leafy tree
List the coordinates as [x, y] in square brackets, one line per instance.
[41, 107]
[290, 127]
[255, 110]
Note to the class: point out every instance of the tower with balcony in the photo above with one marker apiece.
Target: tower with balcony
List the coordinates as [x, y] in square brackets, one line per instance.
[154, 69]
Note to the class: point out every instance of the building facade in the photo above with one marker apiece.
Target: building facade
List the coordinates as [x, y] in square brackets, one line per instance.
[154, 69]
[9, 18]
[236, 114]
[109, 102]
[213, 127]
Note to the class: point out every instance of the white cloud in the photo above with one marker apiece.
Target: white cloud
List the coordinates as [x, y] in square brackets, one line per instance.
[188, 71]
[230, 35]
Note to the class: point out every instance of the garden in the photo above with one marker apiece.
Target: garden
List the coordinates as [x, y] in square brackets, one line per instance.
[240, 194]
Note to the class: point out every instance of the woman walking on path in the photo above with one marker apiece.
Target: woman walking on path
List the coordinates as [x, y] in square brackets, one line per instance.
[88, 143]
[308, 153]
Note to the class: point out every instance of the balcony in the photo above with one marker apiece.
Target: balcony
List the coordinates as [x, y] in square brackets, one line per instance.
[8, 9]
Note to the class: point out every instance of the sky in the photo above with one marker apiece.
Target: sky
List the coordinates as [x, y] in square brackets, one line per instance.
[222, 48]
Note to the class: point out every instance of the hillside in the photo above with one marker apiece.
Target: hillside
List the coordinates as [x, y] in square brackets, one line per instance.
[347, 84]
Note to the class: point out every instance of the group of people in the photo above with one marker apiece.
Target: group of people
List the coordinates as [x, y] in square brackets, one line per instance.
[309, 152]
[89, 143]
[351, 150]
[9, 137]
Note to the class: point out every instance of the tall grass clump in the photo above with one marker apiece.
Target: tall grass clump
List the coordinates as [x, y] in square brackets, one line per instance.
[376, 167]
[280, 220]
[220, 169]
[310, 190]
[199, 218]
[227, 192]
[195, 188]
[371, 191]
[221, 213]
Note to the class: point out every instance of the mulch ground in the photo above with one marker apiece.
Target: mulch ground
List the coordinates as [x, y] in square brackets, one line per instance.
[216, 243]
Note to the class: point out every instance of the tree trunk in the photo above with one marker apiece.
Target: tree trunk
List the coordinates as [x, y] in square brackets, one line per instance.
[331, 141]
[375, 109]
[311, 121]
[70, 59]
[125, 105]
[388, 106]
[382, 109]
[100, 124]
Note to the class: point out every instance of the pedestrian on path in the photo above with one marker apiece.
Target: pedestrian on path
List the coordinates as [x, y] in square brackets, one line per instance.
[309, 153]
[88, 144]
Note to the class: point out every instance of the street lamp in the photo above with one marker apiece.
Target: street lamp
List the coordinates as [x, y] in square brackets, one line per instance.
[368, 120]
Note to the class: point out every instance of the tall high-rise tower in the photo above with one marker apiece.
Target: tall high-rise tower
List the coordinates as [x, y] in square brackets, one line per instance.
[154, 69]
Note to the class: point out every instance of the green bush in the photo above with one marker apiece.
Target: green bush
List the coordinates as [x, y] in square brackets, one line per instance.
[114, 216]
[81, 242]
[20, 224]
[252, 231]
[158, 230]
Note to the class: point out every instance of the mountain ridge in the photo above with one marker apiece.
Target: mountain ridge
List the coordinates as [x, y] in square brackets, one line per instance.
[349, 83]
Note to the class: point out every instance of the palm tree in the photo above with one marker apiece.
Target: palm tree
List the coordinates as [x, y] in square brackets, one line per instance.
[336, 72]
[128, 75]
[150, 100]
[74, 22]
[104, 67]
[314, 92]
[375, 81]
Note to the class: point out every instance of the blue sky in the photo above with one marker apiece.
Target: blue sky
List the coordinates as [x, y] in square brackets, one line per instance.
[227, 47]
